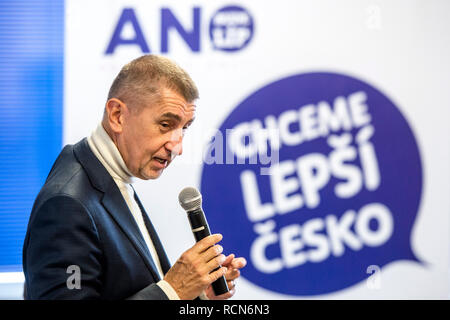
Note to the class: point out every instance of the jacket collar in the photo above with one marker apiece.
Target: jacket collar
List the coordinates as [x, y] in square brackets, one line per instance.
[113, 201]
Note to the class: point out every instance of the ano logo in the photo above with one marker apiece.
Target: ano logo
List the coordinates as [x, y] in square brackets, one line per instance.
[230, 29]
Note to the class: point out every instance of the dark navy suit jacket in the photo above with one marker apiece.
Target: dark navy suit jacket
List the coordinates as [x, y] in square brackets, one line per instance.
[80, 218]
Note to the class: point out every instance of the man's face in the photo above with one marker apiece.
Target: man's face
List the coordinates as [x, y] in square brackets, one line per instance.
[152, 136]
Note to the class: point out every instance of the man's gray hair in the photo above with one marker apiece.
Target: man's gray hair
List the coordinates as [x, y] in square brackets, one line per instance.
[143, 78]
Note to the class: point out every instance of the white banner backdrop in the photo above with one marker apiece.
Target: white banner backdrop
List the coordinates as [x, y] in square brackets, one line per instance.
[397, 47]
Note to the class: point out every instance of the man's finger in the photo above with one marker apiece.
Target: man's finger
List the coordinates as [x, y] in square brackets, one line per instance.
[239, 263]
[212, 252]
[215, 263]
[231, 284]
[207, 242]
[213, 276]
[226, 295]
[228, 260]
[232, 274]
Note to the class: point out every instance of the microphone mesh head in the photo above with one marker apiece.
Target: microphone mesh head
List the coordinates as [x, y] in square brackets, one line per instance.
[190, 198]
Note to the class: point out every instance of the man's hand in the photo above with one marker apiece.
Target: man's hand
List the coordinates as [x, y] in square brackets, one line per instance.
[233, 265]
[192, 273]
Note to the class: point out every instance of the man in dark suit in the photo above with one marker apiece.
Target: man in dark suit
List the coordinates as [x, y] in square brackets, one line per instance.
[89, 236]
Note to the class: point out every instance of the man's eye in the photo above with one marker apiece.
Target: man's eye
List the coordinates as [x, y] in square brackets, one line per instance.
[165, 125]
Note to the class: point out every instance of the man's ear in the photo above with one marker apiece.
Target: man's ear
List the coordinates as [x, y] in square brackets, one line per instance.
[114, 114]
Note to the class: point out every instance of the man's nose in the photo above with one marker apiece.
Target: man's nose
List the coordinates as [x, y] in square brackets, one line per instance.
[175, 143]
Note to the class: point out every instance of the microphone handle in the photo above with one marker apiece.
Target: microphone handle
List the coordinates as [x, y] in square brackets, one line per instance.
[200, 229]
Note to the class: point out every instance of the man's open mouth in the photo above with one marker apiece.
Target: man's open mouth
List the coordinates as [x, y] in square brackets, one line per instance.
[160, 160]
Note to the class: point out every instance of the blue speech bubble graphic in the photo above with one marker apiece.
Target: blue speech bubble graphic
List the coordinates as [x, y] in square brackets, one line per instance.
[312, 179]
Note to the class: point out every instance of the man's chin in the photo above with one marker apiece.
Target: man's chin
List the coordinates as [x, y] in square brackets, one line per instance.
[153, 174]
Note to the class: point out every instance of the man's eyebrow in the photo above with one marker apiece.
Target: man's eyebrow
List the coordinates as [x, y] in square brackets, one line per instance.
[190, 121]
[176, 117]
[171, 115]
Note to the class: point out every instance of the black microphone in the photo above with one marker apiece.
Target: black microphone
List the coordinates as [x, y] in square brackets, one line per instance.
[191, 201]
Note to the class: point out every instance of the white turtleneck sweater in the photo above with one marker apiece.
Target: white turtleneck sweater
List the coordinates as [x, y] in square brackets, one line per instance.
[106, 151]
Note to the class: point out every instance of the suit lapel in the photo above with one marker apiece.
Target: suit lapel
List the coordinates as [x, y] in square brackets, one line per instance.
[165, 264]
[113, 201]
[118, 209]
